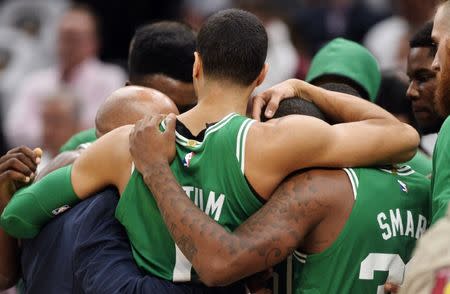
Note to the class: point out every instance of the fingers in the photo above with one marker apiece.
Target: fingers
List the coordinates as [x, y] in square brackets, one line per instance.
[258, 104]
[38, 152]
[171, 120]
[19, 161]
[15, 170]
[28, 152]
[272, 106]
[16, 176]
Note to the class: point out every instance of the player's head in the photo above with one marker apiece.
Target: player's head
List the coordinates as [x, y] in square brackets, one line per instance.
[346, 62]
[161, 57]
[231, 49]
[422, 86]
[77, 36]
[296, 105]
[441, 63]
[129, 104]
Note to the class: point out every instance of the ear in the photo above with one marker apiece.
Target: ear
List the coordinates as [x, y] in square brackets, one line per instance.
[198, 66]
[262, 75]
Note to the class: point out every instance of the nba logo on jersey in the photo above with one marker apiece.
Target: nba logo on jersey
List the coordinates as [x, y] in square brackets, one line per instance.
[60, 210]
[403, 186]
[187, 159]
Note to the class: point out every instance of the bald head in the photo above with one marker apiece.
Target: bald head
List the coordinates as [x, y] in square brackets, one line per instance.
[130, 104]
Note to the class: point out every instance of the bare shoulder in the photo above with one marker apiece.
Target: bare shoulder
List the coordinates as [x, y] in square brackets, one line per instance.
[289, 143]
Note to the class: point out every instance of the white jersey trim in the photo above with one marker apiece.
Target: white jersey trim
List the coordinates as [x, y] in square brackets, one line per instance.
[244, 140]
[182, 269]
[353, 180]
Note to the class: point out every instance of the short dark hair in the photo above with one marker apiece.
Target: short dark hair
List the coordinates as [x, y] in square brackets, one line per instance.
[295, 105]
[166, 48]
[422, 38]
[341, 84]
[341, 88]
[233, 46]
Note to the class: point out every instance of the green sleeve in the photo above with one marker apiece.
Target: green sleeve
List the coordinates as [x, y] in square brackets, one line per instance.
[440, 181]
[32, 207]
[421, 163]
[76, 140]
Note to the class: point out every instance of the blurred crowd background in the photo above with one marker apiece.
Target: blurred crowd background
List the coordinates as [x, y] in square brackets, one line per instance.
[59, 61]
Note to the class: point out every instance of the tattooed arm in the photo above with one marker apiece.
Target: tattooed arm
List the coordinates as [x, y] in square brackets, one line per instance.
[265, 239]
[269, 236]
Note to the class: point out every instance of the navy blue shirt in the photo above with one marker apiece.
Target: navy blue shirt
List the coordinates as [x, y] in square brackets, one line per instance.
[86, 250]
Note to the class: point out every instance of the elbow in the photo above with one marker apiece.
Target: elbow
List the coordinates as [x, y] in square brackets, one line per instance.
[412, 141]
[15, 226]
[217, 273]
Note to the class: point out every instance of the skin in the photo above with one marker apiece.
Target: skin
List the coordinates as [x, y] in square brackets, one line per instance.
[319, 145]
[17, 168]
[77, 40]
[124, 106]
[307, 211]
[441, 37]
[129, 104]
[422, 88]
[19, 164]
[329, 146]
[182, 93]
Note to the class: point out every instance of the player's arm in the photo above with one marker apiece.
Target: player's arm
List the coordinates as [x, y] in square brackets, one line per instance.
[63, 159]
[218, 256]
[368, 136]
[265, 239]
[364, 130]
[17, 167]
[106, 162]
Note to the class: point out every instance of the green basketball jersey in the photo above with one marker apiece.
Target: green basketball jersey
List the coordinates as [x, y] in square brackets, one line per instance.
[440, 188]
[391, 211]
[86, 136]
[211, 173]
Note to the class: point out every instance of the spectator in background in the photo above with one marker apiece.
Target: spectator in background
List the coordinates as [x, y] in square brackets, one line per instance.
[38, 20]
[388, 40]
[78, 70]
[60, 116]
[326, 20]
[282, 57]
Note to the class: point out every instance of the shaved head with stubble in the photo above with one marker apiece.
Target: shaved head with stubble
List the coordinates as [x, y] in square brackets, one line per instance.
[129, 104]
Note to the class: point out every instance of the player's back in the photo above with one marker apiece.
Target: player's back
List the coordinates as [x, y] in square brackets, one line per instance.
[210, 169]
[390, 212]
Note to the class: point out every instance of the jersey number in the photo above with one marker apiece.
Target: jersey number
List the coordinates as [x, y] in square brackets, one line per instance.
[391, 263]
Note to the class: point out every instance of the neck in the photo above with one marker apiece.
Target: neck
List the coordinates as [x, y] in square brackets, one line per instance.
[216, 99]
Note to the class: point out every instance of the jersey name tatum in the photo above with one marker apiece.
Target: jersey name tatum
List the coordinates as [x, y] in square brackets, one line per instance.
[213, 205]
